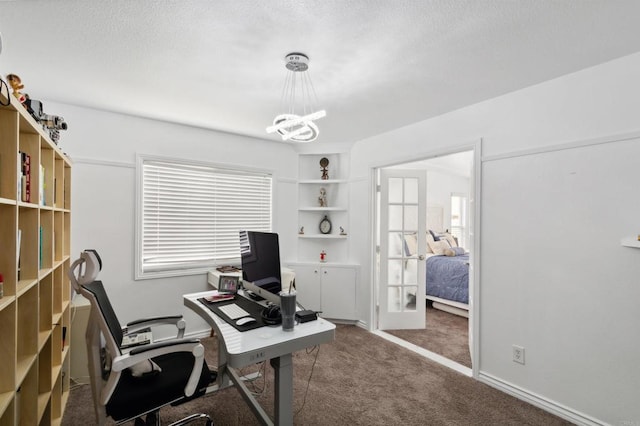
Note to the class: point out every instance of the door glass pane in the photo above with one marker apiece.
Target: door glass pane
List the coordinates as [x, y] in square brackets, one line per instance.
[395, 299]
[411, 218]
[411, 190]
[396, 244]
[395, 218]
[394, 275]
[395, 190]
[410, 271]
[409, 298]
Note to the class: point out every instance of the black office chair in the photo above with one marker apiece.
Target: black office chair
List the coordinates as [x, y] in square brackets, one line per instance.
[128, 385]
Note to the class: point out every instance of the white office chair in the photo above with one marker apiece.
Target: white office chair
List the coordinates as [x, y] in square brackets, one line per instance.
[130, 385]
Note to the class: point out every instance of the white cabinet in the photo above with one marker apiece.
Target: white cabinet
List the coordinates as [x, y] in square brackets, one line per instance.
[327, 288]
[323, 190]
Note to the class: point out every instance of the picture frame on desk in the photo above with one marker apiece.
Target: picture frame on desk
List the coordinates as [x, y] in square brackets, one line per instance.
[228, 284]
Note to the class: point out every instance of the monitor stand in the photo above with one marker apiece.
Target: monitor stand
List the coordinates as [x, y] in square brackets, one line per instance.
[253, 296]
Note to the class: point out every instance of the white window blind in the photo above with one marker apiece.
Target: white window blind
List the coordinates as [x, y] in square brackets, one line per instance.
[191, 214]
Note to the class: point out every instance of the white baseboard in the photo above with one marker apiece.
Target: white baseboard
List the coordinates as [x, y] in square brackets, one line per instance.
[425, 353]
[539, 401]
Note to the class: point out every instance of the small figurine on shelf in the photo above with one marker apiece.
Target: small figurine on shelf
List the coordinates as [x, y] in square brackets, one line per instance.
[301, 231]
[322, 199]
[342, 232]
[324, 163]
[16, 84]
[323, 256]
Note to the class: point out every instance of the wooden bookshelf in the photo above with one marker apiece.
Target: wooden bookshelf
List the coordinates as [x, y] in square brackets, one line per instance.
[35, 314]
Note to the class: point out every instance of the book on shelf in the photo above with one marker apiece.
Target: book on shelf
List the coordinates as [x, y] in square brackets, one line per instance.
[18, 248]
[40, 248]
[41, 197]
[24, 177]
[26, 173]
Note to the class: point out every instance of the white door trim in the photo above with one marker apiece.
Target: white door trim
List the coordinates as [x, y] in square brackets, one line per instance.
[474, 307]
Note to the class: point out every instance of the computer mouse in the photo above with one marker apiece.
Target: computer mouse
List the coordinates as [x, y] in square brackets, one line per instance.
[245, 320]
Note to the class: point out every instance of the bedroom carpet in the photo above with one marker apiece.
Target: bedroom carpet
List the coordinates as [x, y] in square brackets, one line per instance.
[359, 379]
[444, 334]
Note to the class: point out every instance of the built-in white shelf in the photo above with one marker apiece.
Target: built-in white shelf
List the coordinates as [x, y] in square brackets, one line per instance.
[322, 181]
[322, 209]
[323, 236]
[630, 242]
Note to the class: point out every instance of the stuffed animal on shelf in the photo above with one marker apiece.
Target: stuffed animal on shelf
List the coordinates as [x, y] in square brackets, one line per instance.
[16, 84]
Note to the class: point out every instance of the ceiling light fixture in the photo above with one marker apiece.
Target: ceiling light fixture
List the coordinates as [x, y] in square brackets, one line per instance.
[298, 96]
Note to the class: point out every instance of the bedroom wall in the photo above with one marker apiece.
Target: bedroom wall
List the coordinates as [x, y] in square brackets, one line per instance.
[103, 148]
[440, 186]
[553, 276]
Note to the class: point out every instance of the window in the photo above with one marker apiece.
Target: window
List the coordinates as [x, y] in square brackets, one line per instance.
[459, 218]
[189, 215]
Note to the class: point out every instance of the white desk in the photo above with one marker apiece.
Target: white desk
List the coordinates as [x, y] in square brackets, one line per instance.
[239, 349]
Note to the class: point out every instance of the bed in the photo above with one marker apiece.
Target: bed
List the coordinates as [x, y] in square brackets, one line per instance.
[447, 272]
[447, 283]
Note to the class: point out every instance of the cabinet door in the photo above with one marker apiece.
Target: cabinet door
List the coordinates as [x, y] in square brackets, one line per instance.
[308, 286]
[338, 292]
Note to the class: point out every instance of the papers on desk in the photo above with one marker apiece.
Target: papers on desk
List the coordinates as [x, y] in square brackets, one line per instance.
[216, 296]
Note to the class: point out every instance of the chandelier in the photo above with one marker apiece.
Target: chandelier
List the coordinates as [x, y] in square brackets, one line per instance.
[298, 96]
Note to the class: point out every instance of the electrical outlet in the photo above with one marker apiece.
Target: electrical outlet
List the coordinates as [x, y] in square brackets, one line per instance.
[518, 354]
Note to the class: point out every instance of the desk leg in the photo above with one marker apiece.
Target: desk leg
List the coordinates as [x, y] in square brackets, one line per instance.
[223, 377]
[283, 401]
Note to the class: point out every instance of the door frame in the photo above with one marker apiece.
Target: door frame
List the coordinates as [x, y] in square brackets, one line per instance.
[475, 199]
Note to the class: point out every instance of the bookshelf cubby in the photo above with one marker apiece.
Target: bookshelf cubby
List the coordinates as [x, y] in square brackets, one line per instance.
[35, 309]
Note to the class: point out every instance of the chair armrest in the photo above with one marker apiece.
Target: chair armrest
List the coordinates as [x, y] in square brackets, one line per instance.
[142, 353]
[147, 352]
[139, 324]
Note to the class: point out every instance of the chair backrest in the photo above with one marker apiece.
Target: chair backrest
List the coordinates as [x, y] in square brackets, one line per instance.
[98, 295]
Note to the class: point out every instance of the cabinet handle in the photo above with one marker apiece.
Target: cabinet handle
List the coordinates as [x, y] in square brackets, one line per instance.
[324, 272]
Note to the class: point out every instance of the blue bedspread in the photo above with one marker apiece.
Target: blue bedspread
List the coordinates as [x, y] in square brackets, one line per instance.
[448, 277]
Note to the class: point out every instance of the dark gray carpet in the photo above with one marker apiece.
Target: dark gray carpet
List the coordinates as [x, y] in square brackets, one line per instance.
[359, 379]
[444, 333]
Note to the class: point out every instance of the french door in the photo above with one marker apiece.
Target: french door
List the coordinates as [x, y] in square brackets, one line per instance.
[401, 282]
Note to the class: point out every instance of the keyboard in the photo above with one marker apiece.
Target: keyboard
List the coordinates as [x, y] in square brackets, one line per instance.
[234, 311]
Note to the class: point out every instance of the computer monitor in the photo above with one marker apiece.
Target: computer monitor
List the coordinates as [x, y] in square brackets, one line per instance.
[260, 254]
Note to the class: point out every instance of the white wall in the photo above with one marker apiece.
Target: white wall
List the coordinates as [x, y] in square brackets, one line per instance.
[440, 186]
[103, 148]
[575, 318]
[553, 276]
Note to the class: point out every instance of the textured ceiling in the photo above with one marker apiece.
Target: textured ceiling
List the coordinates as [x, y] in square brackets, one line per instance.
[376, 65]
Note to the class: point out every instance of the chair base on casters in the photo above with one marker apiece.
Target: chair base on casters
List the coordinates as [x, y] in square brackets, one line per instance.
[153, 419]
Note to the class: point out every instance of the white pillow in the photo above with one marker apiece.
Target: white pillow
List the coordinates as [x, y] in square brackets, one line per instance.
[447, 236]
[411, 242]
[438, 247]
[430, 241]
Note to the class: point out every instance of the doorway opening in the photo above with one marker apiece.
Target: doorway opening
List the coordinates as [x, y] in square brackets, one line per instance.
[440, 246]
